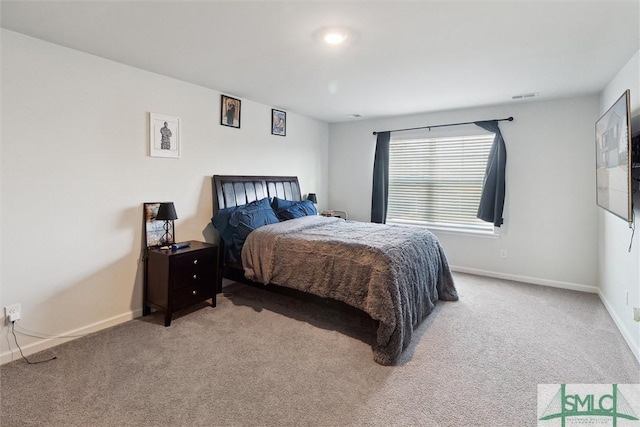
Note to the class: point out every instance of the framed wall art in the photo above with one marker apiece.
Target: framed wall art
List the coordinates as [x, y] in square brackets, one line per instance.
[164, 136]
[614, 189]
[154, 228]
[230, 111]
[278, 122]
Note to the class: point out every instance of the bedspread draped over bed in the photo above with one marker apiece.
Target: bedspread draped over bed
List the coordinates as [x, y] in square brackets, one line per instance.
[393, 273]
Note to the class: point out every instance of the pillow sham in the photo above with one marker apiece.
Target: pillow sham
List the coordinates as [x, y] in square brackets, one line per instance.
[278, 203]
[297, 210]
[221, 222]
[247, 218]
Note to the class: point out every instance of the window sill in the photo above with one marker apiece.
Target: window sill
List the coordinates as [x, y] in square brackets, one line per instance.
[490, 234]
[473, 233]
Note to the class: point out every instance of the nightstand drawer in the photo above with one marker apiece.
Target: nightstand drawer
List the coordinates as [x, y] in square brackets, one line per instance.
[190, 295]
[185, 280]
[193, 269]
[194, 260]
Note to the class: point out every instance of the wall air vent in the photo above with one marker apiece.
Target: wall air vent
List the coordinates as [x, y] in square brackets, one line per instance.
[525, 95]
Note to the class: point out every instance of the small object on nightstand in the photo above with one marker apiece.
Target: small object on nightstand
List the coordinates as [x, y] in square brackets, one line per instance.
[338, 214]
[181, 245]
[180, 278]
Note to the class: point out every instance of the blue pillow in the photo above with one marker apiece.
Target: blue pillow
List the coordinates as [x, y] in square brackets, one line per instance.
[221, 222]
[297, 210]
[250, 213]
[247, 218]
[278, 203]
[227, 220]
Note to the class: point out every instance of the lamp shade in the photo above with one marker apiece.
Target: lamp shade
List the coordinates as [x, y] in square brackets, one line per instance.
[166, 211]
[312, 197]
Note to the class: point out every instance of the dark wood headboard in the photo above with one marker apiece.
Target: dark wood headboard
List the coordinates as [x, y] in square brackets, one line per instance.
[236, 190]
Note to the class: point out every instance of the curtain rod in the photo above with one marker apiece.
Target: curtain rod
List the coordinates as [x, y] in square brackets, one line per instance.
[509, 119]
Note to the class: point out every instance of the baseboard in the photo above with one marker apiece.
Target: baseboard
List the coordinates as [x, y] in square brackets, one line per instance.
[44, 344]
[527, 279]
[635, 347]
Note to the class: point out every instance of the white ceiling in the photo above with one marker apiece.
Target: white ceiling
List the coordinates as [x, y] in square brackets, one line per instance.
[401, 57]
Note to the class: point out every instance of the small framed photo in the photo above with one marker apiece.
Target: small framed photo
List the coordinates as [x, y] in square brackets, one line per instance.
[154, 229]
[278, 122]
[164, 136]
[230, 111]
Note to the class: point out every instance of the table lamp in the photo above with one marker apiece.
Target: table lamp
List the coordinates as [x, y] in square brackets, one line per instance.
[166, 213]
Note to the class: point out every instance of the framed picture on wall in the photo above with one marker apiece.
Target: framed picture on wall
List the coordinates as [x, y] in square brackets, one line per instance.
[154, 229]
[164, 136]
[278, 122]
[230, 111]
[614, 169]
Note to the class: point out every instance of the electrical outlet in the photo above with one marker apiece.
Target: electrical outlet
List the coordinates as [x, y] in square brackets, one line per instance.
[503, 253]
[13, 312]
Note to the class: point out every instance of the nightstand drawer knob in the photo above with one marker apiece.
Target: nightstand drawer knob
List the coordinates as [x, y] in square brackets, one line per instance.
[195, 276]
[195, 292]
[195, 261]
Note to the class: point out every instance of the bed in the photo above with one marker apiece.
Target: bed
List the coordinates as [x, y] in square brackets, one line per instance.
[394, 274]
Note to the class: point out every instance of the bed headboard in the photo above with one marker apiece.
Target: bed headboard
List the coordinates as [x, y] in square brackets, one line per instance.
[236, 190]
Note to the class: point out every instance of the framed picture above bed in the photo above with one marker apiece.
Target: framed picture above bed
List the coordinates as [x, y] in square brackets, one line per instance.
[154, 228]
[278, 122]
[230, 111]
[164, 136]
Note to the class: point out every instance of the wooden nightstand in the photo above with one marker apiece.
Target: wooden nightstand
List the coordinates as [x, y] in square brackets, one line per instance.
[177, 279]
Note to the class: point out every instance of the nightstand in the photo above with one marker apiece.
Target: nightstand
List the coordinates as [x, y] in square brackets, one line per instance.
[177, 279]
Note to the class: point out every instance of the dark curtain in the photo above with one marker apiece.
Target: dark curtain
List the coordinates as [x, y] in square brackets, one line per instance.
[492, 199]
[379, 194]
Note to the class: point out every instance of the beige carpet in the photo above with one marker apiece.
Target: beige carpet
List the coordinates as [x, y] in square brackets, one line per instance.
[265, 359]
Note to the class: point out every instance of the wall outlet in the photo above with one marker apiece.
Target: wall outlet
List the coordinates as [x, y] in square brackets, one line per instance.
[13, 312]
[503, 253]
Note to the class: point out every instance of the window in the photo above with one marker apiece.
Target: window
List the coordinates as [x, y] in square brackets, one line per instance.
[437, 182]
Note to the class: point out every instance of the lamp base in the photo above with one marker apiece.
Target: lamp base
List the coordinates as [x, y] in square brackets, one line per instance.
[167, 238]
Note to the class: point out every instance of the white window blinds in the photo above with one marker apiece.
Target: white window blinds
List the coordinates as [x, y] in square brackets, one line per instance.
[437, 182]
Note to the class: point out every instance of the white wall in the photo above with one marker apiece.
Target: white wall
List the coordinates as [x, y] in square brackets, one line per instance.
[75, 172]
[619, 268]
[550, 219]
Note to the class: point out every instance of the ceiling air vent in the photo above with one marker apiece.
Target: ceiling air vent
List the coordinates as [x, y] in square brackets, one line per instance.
[525, 95]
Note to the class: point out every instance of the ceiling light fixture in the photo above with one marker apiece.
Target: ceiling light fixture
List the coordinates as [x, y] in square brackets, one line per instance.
[335, 37]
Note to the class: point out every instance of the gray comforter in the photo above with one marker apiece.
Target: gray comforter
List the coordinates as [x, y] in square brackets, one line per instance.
[393, 273]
